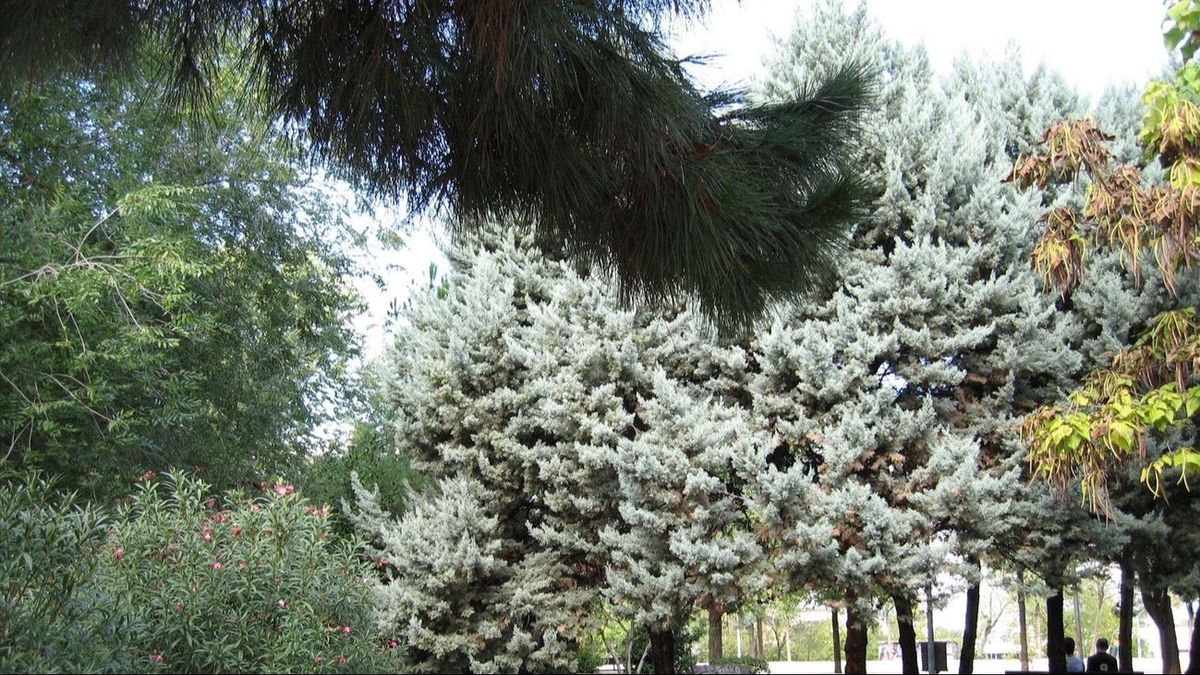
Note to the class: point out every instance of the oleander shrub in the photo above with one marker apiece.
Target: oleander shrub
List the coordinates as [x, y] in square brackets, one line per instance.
[238, 583]
[52, 618]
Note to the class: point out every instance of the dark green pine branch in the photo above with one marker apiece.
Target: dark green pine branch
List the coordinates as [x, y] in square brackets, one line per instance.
[570, 117]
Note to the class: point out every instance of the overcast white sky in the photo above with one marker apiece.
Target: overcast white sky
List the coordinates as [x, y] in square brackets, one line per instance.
[1093, 43]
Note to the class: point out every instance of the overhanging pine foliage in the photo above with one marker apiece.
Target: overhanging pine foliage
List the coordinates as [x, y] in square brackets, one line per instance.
[568, 115]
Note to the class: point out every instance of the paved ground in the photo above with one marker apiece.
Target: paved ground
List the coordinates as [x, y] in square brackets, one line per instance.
[982, 667]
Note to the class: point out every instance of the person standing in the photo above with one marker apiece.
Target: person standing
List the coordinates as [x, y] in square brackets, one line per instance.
[1101, 661]
[1074, 663]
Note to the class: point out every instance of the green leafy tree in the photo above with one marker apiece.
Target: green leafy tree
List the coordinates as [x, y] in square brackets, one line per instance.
[1137, 407]
[1149, 388]
[462, 104]
[370, 452]
[165, 297]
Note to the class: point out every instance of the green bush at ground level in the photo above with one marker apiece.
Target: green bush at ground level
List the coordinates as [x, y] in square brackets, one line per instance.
[182, 581]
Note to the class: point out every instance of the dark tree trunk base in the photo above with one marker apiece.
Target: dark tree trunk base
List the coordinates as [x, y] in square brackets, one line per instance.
[1056, 651]
[1158, 606]
[856, 642]
[966, 662]
[662, 651]
[716, 648]
[908, 634]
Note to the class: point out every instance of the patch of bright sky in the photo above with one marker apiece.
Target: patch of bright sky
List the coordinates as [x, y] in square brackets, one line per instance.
[1092, 43]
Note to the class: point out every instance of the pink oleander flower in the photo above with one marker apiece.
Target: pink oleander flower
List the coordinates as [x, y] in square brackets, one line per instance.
[118, 553]
[147, 476]
[254, 508]
[156, 658]
[282, 603]
[341, 660]
[179, 607]
[381, 564]
[206, 536]
[210, 503]
[284, 490]
[345, 630]
[318, 660]
[392, 644]
[216, 565]
[235, 530]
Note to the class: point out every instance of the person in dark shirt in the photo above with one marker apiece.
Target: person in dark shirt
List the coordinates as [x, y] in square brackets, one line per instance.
[1101, 661]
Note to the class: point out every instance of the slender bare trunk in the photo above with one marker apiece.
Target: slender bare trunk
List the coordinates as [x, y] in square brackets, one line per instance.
[759, 650]
[1079, 643]
[1194, 648]
[1125, 630]
[1101, 585]
[1022, 621]
[737, 629]
[837, 643]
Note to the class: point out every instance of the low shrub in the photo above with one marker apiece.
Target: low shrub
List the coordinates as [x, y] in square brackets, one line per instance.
[52, 618]
[213, 584]
[737, 664]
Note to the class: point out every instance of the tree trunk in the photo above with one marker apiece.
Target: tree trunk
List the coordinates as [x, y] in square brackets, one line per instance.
[1079, 643]
[787, 637]
[1022, 621]
[737, 629]
[1101, 584]
[715, 628]
[908, 634]
[1125, 631]
[966, 658]
[837, 643]
[662, 651]
[760, 651]
[1055, 649]
[1158, 606]
[856, 641]
[1194, 648]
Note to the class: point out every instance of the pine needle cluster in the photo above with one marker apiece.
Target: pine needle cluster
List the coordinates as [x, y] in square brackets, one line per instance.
[572, 116]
